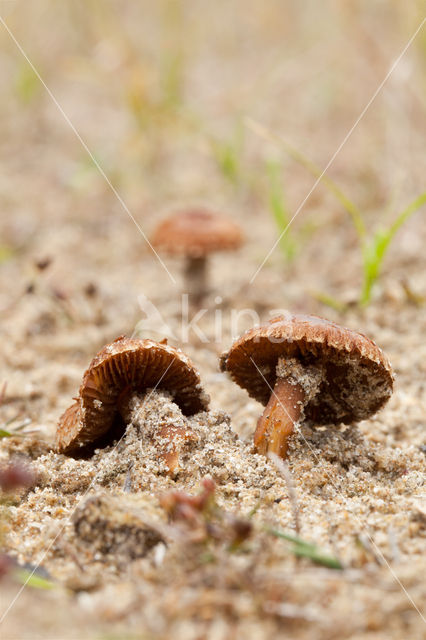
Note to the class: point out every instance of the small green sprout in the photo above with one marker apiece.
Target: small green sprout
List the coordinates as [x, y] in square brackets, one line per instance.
[172, 78]
[6, 433]
[278, 207]
[6, 253]
[374, 250]
[329, 301]
[27, 84]
[32, 579]
[227, 154]
[303, 549]
[374, 247]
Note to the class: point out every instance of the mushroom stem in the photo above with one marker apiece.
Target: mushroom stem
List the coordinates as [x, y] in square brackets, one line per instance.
[174, 439]
[276, 424]
[171, 430]
[196, 278]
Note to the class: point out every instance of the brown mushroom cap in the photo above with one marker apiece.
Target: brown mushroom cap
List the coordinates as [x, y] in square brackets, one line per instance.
[196, 233]
[357, 377]
[124, 367]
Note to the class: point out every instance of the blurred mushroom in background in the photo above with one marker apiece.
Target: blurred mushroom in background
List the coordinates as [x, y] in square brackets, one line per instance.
[195, 234]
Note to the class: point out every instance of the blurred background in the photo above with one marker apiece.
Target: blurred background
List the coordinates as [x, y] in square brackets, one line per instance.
[222, 104]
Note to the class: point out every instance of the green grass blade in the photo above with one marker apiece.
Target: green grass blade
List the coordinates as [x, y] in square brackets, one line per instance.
[279, 210]
[228, 154]
[349, 206]
[304, 549]
[27, 84]
[227, 160]
[276, 196]
[6, 253]
[318, 557]
[172, 80]
[290, 538]
[329, 301]
[414, 206]
[33, 579]
[375, 251]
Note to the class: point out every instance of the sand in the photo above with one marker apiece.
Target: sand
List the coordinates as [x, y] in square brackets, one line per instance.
[97, 527]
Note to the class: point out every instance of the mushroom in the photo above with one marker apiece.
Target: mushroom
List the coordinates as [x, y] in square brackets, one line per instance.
[195, 234]
[113, 393]
[307, 370]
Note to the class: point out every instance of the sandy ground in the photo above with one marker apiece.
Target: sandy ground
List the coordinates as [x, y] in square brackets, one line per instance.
[120, 568]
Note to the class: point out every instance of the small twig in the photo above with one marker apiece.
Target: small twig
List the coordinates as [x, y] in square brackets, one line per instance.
[282, 467]
[128, 484]
[413, 297]
[291, 611]
[3, 392]
[70, 551]
[365, 543]
[33, 395]
[21, 425]
[393, 544]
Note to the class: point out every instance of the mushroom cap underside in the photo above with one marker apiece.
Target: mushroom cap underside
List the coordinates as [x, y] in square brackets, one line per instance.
[357, 377]
[121, 368]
